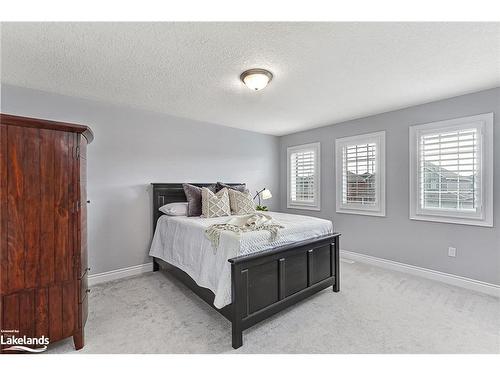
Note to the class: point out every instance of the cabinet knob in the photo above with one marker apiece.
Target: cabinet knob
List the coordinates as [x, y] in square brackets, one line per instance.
[88, 269]
[87, 291]
[88, 201]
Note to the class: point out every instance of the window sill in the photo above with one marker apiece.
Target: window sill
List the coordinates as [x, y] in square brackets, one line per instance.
[360, 212]
[453, 220]
[301, 207]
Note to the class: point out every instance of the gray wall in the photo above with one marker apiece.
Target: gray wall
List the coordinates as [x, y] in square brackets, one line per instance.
[395, 236]
[133, 148]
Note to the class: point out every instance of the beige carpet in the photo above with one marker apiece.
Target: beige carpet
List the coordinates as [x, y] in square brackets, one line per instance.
[377, 311]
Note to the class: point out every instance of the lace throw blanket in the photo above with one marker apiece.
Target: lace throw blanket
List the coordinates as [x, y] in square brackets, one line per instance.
[241, 224]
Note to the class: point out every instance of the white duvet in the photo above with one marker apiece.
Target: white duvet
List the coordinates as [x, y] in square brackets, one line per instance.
[181, 241]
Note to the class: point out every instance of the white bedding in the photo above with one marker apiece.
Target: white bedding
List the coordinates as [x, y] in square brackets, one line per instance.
[181, 241]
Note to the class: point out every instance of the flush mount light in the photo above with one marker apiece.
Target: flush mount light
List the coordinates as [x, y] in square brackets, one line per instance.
[256, 79]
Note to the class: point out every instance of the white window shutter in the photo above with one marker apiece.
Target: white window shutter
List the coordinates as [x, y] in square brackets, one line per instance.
[451, 171]
[360, 174]
[303, 176]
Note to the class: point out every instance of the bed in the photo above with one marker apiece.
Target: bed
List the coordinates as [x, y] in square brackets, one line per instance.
[246, 278]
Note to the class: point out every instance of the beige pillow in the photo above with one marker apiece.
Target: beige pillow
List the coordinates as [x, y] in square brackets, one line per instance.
[241, 203]
[215, 205]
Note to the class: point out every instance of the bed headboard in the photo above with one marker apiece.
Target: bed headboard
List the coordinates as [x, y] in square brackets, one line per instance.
[171, 193]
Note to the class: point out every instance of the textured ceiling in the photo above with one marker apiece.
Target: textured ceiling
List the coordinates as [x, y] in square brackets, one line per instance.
[323, 72]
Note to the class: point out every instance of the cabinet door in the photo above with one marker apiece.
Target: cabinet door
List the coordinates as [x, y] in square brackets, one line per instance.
[49, 311]
[37, 215]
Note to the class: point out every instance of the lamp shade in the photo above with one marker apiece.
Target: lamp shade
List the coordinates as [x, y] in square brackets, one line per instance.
[266, 194]
[256, 79]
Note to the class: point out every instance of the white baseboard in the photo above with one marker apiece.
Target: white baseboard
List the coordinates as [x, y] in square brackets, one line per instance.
[120, 273]
[460, 281]
[464, 282]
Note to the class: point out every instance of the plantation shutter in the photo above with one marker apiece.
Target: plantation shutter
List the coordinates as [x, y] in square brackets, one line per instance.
[303, 176]
[448, 170]
[358, 174]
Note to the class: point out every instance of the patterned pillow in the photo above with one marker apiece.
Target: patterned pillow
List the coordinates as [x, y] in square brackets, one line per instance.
[241, 203]
[215, 205]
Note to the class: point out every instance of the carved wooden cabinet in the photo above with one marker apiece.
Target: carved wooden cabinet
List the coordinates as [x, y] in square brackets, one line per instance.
[43, 242]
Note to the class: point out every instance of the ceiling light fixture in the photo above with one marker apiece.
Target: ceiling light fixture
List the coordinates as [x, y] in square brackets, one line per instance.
[256, 79]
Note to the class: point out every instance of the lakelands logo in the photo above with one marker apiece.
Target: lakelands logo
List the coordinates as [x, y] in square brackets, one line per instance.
[24, 343]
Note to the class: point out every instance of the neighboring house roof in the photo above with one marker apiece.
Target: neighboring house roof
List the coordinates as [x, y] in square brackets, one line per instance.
[450, 175]
[353, 177]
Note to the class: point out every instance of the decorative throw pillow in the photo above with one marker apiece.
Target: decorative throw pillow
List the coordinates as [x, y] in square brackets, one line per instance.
[193, 197]
[221, 185]
[215, 205]
[241, 203]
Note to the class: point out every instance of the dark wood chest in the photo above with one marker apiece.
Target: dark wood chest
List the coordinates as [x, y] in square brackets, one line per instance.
[43, 226]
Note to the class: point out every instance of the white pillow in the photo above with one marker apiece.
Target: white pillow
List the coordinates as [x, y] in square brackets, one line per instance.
[175, 209]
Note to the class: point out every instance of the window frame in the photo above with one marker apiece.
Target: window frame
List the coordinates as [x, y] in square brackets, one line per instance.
[379, 209]
[316, 205]
[484, 215]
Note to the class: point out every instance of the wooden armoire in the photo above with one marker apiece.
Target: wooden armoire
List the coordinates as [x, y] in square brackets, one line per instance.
[43, 241]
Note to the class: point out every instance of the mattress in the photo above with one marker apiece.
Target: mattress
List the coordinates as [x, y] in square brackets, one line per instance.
[181, 241]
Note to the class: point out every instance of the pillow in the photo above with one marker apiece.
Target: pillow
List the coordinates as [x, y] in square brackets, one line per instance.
[220, 185]
[175, 209]
[193, 197]
[241, 203]
[215, 205]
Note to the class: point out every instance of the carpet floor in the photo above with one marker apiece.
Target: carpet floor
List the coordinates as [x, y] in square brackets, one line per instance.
[377, 311]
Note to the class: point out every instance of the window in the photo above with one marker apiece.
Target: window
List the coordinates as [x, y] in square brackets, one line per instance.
[360, 172]
[451, 171]
[303, 176]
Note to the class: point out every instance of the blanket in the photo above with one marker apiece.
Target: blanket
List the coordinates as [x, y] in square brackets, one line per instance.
[240, 224]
